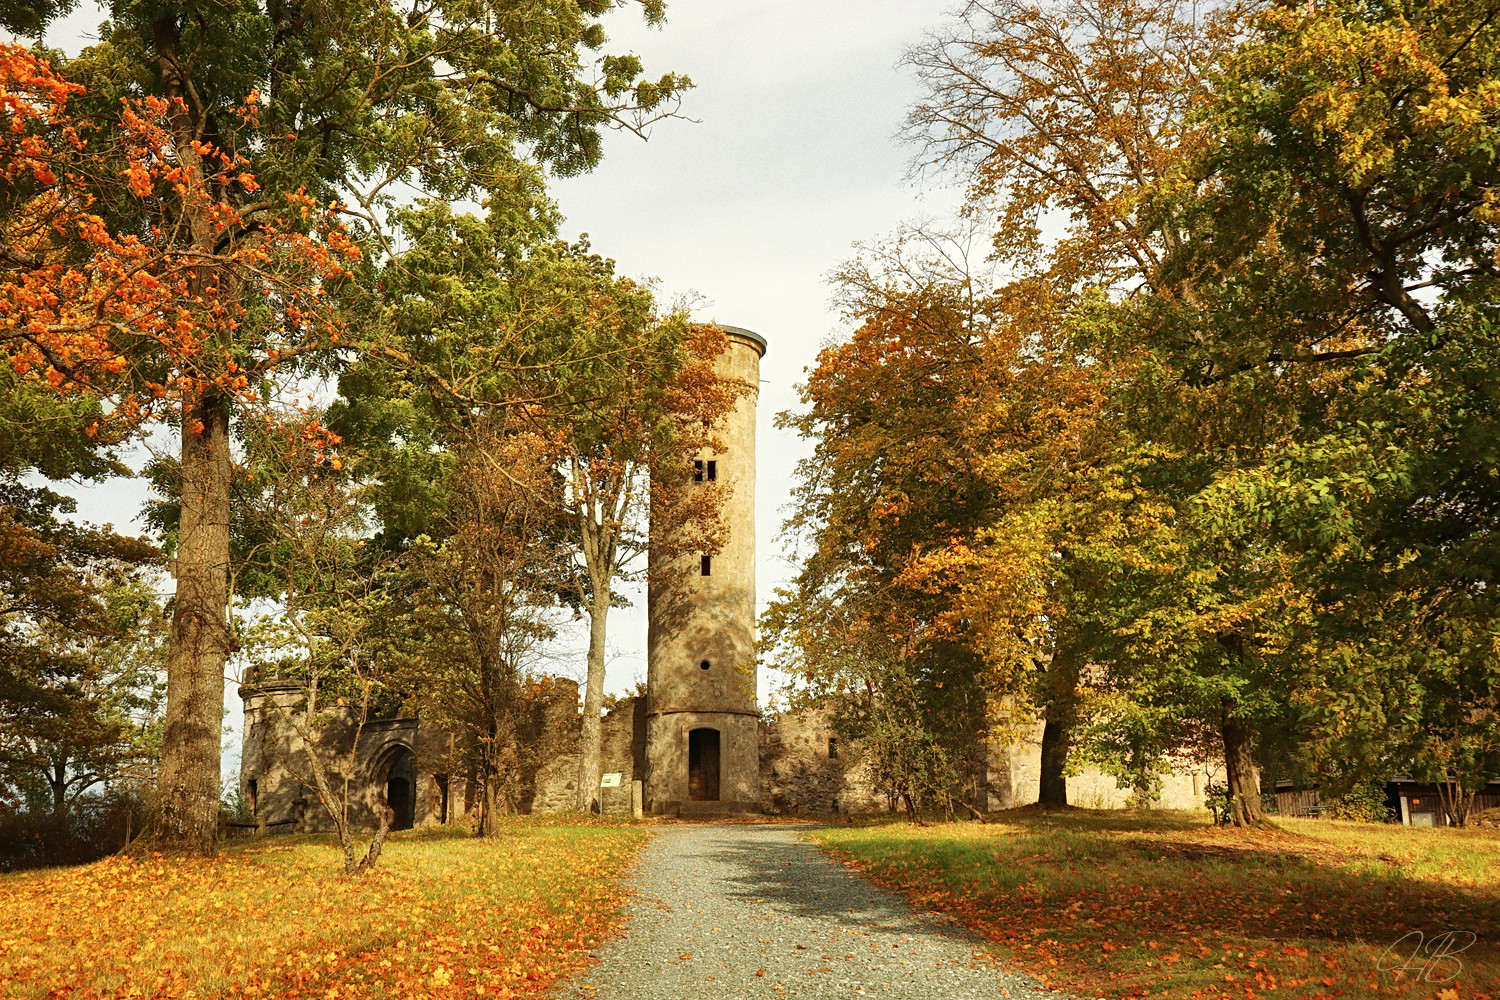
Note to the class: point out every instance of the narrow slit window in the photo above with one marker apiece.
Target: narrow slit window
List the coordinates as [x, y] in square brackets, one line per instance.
[712, 472]
[698, 471]
[833, 753]
[706, 566]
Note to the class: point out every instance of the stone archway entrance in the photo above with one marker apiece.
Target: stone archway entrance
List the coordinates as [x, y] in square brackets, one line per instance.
[400, 789]
[703, 765]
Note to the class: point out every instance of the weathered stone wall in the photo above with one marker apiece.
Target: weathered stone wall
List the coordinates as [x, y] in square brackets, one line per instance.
[623, 744]
[797, 773]
[274, 762]
[1015, 780]
[276, 774]
[798, 777]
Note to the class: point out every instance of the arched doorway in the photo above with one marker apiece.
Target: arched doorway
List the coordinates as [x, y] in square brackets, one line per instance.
[703, 765]
[400, 788]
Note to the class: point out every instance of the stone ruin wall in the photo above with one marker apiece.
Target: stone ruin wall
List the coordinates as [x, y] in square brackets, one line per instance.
[284, 793]
[1015, 779]
[798, 777]
[623, 738]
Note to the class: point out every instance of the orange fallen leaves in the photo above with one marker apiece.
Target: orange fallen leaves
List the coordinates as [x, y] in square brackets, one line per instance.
[1160, 909]
[444, 916]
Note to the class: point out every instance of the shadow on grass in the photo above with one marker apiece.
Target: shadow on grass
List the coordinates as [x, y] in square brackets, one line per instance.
[1128, 904]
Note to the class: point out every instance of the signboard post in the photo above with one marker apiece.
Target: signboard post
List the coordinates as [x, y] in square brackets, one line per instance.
[611, 780]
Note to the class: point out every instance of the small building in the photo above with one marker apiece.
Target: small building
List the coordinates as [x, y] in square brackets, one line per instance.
[1409, 802]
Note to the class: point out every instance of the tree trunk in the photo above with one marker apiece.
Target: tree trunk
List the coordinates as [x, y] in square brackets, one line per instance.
[1055, 739]
[1061, 708]
[590, 743]
[187, 794]
[1456, 800]
[57, 781]
[372, 856]
[1239, 767]
[494, 803]
[188, 791]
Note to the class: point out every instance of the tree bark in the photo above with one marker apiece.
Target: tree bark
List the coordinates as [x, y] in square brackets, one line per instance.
[187, 794]
[1061, 708]
[590, 743]
[187, 803]
[57, 781]
[1239, 766]
[1055, 740]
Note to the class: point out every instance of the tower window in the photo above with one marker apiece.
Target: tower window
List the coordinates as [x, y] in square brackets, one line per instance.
[833, 753]
[706, 566]
[254, 795]
[712, 470]
[704, 665]
[698, 471]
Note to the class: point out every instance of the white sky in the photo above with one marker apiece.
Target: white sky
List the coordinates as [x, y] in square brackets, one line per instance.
[792, 160]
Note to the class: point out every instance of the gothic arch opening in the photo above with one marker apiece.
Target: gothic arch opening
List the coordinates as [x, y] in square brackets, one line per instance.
[401, 787]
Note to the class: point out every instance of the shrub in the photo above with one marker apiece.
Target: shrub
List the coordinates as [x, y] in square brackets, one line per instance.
[92, 829]
[1364, 803]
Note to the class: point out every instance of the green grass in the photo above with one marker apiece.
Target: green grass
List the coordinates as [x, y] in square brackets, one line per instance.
[444, 915]
[1163, 904]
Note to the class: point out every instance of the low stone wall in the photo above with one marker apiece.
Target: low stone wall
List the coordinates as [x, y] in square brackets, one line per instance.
[1016, 769]
[800, 776]
[623, 744]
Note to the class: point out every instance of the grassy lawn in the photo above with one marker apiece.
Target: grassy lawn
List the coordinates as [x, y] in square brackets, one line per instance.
[443, 916]
[1163, 904]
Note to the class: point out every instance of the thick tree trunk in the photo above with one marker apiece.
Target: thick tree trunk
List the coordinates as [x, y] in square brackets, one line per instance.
[57, 781]
[1055, 739]
[187, 803]
[187, 794]
[1061, 708]
[1239, 766]
[590, 743]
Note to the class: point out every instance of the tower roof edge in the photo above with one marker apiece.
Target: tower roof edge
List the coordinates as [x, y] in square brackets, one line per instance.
[755, 339]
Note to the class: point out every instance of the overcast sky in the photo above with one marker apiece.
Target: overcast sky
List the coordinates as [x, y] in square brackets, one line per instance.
[792, 159]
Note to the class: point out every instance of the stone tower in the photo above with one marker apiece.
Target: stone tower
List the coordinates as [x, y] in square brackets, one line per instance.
[702, 726]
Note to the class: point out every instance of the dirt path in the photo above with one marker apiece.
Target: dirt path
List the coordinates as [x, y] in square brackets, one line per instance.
[727, 910]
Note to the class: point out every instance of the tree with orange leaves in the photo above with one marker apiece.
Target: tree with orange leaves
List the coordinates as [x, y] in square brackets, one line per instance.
[634, 425]
[225, 134]
[180, 312]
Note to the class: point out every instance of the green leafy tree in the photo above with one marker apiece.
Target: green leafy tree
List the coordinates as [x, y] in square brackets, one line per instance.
[80, 652]
[263, 106]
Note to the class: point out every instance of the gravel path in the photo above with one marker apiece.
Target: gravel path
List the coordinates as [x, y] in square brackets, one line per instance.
[732, 909]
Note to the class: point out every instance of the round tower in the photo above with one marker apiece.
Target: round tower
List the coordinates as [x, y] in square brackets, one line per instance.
[702, 725]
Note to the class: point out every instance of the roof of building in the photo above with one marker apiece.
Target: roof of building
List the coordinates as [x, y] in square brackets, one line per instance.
[750, 335]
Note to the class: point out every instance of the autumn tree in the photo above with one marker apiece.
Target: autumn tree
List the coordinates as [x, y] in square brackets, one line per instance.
[242, 112]
[79, 650]
[892, 477]
[1343, 275]
[495, 579]
[334, 618]
[1074, 109]
[633, 423]
[136, 313]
